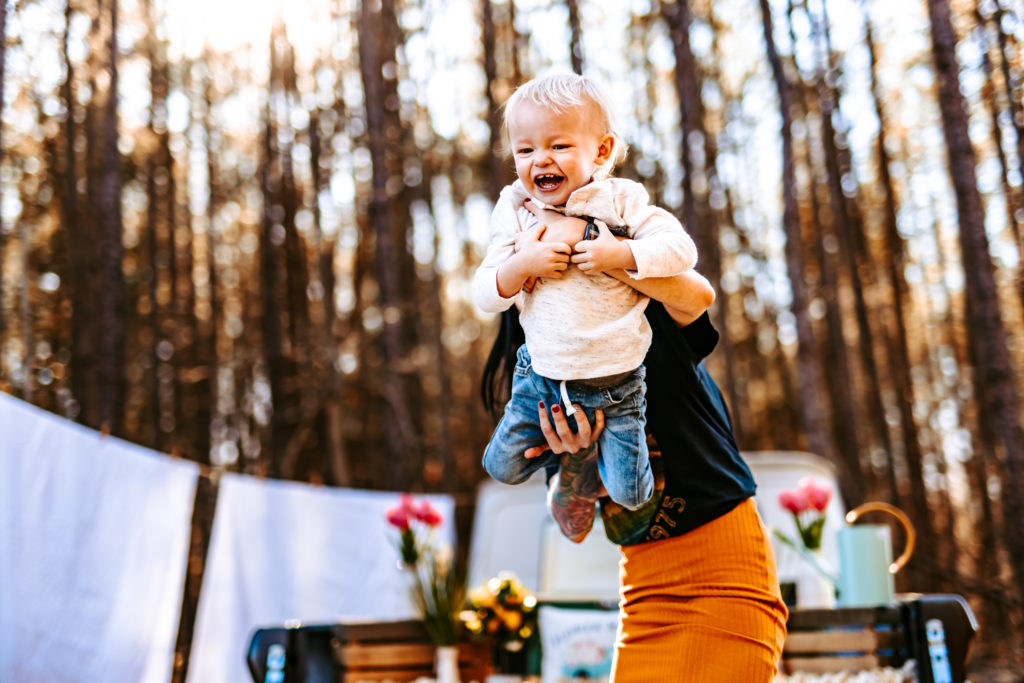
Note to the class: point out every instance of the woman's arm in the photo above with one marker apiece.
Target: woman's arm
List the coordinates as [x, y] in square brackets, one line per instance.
[686, 296]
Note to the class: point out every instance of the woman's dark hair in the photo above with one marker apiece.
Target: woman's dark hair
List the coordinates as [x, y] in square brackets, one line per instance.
[496, 382]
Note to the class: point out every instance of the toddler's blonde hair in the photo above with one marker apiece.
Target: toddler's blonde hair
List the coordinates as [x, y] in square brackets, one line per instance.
[561, 92]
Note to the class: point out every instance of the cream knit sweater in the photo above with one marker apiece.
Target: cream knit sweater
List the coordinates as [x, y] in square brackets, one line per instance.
[586, 326]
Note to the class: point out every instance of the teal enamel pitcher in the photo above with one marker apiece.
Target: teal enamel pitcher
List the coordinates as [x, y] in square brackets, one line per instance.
[866, 567]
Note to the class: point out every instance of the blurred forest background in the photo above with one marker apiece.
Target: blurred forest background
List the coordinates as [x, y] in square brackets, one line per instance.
[243, 234]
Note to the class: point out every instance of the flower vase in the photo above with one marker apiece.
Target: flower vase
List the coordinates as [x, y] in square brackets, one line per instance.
[409, 581]
[446, 664]
[813, 589]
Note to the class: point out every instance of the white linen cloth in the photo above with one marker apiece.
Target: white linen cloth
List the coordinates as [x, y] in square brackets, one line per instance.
[284, 551]
[94, 538]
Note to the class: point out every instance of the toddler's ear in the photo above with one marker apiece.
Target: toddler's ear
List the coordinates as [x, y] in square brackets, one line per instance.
[605, 149]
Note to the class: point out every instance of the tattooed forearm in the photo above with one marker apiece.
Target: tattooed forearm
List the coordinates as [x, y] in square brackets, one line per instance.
[572, 493]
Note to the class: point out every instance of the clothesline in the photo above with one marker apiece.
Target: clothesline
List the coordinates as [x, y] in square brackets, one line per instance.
[98, 531]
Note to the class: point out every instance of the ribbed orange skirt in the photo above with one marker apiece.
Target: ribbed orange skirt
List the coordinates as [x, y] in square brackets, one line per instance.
[703, 607]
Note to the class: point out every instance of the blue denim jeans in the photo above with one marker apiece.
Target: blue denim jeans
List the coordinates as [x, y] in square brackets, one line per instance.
[623, 461]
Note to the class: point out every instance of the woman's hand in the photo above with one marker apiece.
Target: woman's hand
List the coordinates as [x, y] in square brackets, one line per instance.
[560, 437]
[560, 228]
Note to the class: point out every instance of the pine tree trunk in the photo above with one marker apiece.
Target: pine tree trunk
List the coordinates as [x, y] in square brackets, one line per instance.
[899, 292]
[833, 226]
[208, 389]
[698, 216]
[333, 433]
[810, 376]
[1012, 196]
[303, 405]
[157, 95]
[575, 40]
[270, 280]
[184, 337]
[80, 249]
[993, 374]
[111, 341]
[375, 45]
[500, 174]
[853, 250]
[1011, 82]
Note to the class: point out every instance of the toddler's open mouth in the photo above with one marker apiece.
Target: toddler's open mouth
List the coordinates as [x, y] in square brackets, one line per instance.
[548, 181]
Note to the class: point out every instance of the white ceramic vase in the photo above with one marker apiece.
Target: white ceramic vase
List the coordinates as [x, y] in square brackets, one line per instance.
[446, 664]
[814, 590]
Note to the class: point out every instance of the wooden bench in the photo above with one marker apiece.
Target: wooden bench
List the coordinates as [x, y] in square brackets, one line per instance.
[933, 630]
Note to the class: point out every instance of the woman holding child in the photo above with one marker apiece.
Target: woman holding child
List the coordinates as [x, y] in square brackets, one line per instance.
[699, 594]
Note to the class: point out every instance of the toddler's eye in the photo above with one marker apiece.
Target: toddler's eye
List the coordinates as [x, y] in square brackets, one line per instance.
[524, 150]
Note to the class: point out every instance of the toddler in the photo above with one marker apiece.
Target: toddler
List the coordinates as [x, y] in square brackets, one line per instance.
[586, 334]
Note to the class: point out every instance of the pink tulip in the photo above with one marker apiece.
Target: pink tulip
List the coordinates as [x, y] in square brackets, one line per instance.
[428, 514]
[407, 504]
[794, 501]
[398, 517]
[818, 495]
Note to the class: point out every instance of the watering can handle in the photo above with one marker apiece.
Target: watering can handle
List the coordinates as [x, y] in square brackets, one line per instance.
[908, 528]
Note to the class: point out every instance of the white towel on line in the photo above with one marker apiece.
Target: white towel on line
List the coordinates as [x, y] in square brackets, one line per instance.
[284, 551]
[94, 538]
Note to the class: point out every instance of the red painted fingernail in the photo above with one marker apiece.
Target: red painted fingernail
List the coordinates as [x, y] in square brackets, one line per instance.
[540, 404]
[556, 409]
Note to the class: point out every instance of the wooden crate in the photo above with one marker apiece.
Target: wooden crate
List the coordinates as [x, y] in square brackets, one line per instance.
[826, 641]
[934, 630]
[397, 651]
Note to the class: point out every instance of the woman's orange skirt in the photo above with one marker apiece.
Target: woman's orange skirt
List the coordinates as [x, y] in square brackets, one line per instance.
[703, 607]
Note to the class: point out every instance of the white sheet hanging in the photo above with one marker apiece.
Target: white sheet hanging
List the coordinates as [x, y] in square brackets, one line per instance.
[287, 551]
[93, 544]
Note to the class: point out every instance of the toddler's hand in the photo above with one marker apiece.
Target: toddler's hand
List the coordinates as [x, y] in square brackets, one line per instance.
[520, 237]
[540, 258]
[604, 253]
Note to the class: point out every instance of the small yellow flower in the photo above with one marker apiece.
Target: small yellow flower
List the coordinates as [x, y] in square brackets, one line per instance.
[512, 620]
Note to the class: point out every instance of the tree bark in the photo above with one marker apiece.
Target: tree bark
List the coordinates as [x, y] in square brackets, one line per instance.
[337, 456]
[810, 376]
[208, 329]
[1011, 83]
[575, 40]
[993, 373]
[1012, 196]
[270, 281]
[375, 46]
[80, 250]
[111, 341]
[830, 219]
[899, 292]
[500, 173]
[698, 156]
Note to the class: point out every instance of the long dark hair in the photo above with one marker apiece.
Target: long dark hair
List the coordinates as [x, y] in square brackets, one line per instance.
[496, 382]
